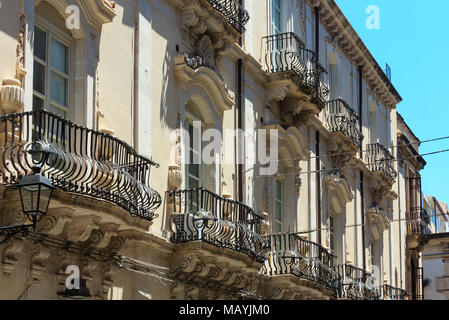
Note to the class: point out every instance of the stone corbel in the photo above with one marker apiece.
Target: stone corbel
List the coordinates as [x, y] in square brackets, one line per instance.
[100, 238]
[39, 254]
[276, 94]
[106, 283]
[55, 220]
[304, 118]
[64, 259]
[9, 256]
[81, 228]
[290, 109]
[87, 268]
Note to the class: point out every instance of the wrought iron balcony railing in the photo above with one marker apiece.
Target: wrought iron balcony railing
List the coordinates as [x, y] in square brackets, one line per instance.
[356, 284]
[341, 118]
[392, 293]
[291, 254]
[418, 222]
[380, 159]
[285, 52]
[233, 12]
[199, 214]
[80, 160]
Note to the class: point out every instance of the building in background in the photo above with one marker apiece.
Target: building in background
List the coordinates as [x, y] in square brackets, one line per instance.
[136, 86]
[435, 260]
[413, 216]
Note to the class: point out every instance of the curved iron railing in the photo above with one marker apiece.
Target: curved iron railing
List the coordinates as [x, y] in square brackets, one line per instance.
[199, 214]
[286, 52]
[393, 293]
[233, 12]
[356, 283]
[418, 222]
[291, 254]
[80, 160]
[341, 118]
[380, 159]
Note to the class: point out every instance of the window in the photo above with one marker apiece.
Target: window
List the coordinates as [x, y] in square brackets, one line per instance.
[194, 166]
[373, 123]
[332, 234]
[276, 17]
[51, 73]
[279, 214]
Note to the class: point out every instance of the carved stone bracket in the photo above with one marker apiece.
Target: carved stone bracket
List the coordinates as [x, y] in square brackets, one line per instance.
[39, 255]
[81, 228]
[10, 255]
[54, 222]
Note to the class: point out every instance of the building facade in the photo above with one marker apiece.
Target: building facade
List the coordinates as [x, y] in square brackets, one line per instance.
[308, 202]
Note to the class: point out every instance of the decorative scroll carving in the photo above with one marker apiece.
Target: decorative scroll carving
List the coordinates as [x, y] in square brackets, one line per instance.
[53, 224]
[81, 228]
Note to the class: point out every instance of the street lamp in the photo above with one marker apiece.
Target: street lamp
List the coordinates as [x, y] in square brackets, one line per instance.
[35, 193]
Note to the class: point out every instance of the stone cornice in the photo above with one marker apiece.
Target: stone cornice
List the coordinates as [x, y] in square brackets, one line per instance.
[349, 41]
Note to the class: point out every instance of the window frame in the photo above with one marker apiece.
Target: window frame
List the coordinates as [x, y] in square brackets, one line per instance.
[54, 32]
[279, 202]
[192, 120]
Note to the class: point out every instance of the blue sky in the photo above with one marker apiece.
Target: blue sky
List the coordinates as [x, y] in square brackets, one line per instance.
[414, 40]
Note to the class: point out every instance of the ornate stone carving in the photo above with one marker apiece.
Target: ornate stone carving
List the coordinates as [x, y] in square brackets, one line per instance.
[189, 19]
[290, 109]
[20, 51]
[87, 268]
[12, 96]
[55, 220]
[81, 228]
[174, 177]
[107, 272]
[276, 94]
[9, 256]
[100, 238]
[39, 254]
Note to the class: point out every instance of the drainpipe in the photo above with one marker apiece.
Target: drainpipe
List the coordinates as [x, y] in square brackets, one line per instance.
[362, 182]
[317, 33]
[239, 127]
[136, 77]
[318, 184]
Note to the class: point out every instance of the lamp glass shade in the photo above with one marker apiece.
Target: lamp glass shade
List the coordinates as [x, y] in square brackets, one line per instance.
[35, 194]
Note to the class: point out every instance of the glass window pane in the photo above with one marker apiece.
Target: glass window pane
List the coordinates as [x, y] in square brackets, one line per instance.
[278, 190]
[278, 211]
[39, 78]
[58, 88]
[58, 56]
[194, 170]
[57, 110]
[40, 44]
[38, 103]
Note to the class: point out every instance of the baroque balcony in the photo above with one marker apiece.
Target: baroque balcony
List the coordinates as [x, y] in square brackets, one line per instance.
[233, 12]
[80, 161]
[289, 62]
[308, 263]
[418, 222]
[200, 215]
[381, 160]
[342, 119]
[355, 283]
[393, 293]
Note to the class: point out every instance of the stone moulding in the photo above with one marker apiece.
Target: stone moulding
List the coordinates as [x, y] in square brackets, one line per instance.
[207, 79]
